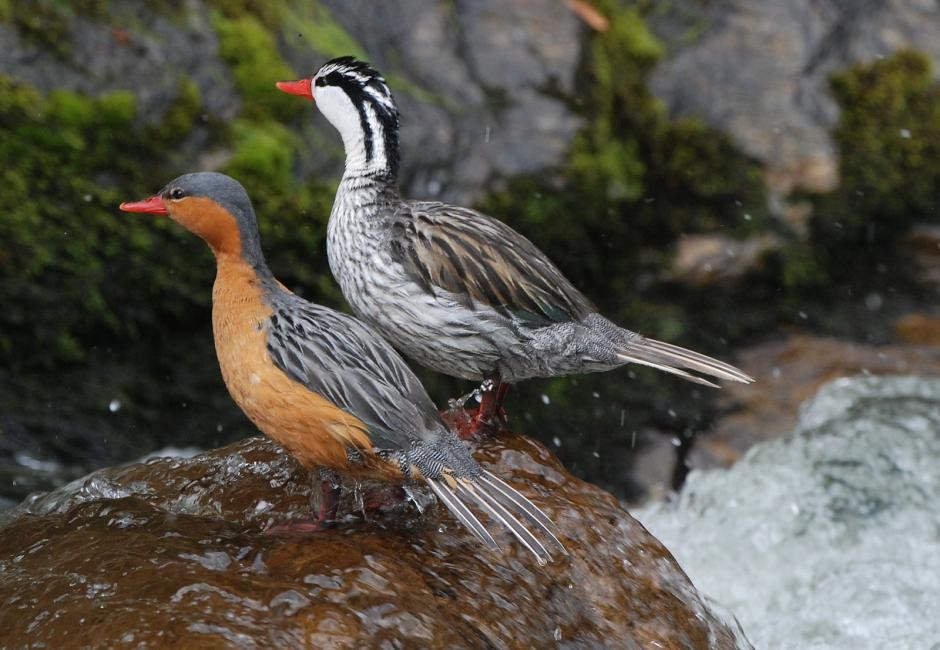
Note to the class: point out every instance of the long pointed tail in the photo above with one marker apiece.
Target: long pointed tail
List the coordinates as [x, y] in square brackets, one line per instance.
[679, 361]
[499, 501]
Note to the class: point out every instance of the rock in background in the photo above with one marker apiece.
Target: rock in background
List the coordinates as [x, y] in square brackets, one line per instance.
[760, 71]
[479, 83]
[491, 75]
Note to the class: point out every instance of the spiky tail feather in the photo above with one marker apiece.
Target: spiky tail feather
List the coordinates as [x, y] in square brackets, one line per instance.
[677, 360]
[496, 499]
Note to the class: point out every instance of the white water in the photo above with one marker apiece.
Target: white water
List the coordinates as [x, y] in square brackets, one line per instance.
[830, 537]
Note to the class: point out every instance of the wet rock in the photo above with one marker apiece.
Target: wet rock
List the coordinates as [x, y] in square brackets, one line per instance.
[827, 537]
[923, 242]
[173, 552]
[789, 372]
[776, 103]
[920, 329]
[705, 260]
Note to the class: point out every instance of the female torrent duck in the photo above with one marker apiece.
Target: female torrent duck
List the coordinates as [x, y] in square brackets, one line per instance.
[321, 383]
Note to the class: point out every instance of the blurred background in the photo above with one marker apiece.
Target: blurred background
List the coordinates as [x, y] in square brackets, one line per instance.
[755, 180]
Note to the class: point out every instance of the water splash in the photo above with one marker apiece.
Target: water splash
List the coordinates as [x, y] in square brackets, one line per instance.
[827, 538]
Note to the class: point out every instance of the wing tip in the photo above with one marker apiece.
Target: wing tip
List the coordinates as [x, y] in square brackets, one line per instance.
[682, 362]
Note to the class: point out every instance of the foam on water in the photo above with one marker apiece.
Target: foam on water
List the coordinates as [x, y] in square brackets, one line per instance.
[830, 537]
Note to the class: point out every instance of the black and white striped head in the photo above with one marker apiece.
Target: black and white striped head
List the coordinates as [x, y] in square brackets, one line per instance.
[356, 100]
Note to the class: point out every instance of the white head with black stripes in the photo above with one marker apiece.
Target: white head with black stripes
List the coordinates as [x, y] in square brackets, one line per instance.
[356, 100]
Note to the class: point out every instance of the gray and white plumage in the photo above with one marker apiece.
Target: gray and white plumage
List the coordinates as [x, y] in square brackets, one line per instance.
[456, 290]
[341, 359]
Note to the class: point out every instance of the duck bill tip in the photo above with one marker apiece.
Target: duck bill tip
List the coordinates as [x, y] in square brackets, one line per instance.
[300, 87]
[153, 205]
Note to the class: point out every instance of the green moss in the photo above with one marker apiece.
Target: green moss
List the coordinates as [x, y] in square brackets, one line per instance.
[75, 270]
[92, 8]
[888, 137]
[182, 114]
[292, 214]
[801, 267]
[46, 23]
[251, 52]
[316, 25]
[636, 180]
[269, 13]
[264, 154]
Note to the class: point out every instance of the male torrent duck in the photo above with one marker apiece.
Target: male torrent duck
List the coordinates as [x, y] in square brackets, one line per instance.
[454, 289]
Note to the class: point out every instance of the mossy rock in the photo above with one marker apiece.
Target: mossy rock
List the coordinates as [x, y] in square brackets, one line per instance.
[889, 146]
[636, 179]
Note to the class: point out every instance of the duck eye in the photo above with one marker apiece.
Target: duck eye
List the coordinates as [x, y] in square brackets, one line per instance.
[177, 193]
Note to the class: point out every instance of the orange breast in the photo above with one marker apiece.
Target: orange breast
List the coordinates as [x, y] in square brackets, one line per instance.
[313, 429]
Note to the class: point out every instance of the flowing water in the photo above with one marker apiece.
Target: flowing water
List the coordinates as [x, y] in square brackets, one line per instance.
[830, 537]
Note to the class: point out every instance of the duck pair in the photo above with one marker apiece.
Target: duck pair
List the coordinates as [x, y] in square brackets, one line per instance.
[454, 289]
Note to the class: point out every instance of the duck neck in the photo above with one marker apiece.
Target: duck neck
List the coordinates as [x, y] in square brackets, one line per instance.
[371, 144]
[240, 274]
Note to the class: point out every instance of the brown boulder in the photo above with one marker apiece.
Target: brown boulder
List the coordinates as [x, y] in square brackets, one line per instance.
[789, 372]
[173, 552]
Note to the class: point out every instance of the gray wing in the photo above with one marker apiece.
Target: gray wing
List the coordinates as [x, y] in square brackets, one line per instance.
[343, 360]
[485, 263]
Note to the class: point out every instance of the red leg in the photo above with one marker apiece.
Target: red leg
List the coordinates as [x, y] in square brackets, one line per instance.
[500, 398]
[489, 417]
[326, 517]
[491, 412]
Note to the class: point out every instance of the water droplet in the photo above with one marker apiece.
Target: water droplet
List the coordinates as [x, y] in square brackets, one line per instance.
[545, 399]
[905, 133]
[114, 406]
[556, 441]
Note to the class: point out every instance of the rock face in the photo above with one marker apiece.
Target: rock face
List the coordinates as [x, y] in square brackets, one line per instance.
[492, 66]
[173, 552]
[776, 102]
[828, 537]
[478, 82]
